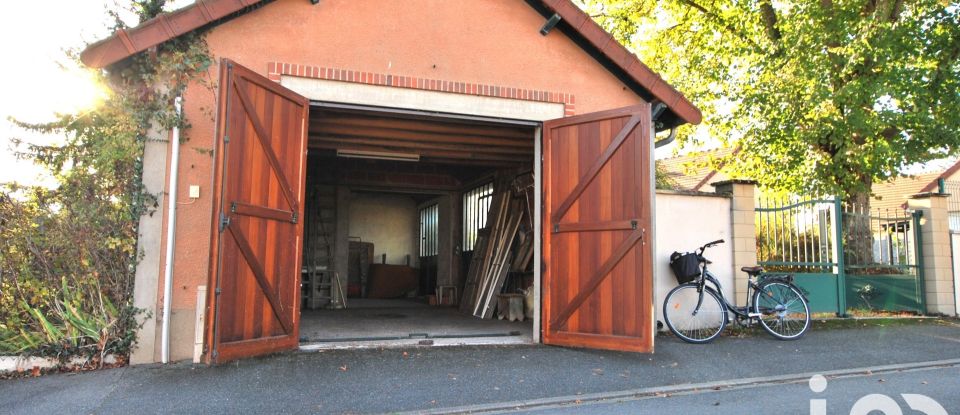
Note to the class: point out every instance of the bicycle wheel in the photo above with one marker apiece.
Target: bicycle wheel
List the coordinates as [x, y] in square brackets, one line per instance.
[784, 312]
[690, 324]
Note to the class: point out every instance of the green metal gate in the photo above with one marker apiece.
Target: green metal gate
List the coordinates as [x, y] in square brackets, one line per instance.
[845, 257]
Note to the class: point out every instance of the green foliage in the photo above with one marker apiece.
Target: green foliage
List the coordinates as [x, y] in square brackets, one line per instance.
[663, 180]
[68, 254]
[824, 97]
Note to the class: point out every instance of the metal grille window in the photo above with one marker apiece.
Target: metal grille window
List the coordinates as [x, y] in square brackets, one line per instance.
[953, 204]
[476, 203]
[429, 216]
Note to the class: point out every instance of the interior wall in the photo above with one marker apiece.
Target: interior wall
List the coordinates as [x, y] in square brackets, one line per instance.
[684, 223]
[390, 222]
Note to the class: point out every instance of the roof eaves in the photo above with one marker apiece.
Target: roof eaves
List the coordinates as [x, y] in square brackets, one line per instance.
[621, 57]
[127, 42]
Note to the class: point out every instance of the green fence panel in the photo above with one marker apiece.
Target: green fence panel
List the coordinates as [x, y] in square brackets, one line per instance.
[883, 292]
[820, 289]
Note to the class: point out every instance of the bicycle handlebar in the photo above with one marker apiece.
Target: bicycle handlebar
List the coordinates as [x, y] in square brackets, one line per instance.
[710, 244]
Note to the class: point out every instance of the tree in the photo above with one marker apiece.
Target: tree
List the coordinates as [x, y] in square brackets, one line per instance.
[824, 97]
[68, 254]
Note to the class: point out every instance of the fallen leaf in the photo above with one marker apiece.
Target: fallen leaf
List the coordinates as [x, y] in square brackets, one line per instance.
[881, 380]
[35, 371]
[343, 368]
[924, 382]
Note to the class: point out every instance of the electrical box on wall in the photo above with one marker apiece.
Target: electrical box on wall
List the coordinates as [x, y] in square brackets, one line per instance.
[194, 192]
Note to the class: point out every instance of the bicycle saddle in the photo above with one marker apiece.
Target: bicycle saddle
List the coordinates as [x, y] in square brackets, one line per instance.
[752, 270]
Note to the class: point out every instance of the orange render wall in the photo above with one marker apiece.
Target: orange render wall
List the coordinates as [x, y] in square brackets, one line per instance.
[493, 42]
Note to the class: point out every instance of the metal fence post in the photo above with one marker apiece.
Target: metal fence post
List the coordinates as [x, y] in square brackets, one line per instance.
[921, 289]
[839, 257]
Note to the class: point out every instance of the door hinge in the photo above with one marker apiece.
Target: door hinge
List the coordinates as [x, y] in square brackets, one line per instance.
[633, 224]
[295, 218]
[556, 228]
[226, 138]
[217, 291]
[214, 354]
[224, 221]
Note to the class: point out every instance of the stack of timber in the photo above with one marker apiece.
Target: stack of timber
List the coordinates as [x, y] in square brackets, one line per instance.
[500, 247]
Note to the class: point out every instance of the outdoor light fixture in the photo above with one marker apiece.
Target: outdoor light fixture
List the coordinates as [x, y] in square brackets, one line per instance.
[378, 155]
[314, 1]
[551, 23]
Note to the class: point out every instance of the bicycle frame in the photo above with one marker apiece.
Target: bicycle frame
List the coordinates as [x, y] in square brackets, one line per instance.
[708, 277]
[740, 312]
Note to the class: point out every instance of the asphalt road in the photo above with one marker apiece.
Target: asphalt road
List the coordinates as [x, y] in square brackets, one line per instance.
[839, 397]
[418, 379]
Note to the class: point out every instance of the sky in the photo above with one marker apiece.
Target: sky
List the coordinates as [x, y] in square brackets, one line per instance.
[37, 80]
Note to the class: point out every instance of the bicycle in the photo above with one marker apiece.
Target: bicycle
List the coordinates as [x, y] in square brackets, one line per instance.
[697, 312]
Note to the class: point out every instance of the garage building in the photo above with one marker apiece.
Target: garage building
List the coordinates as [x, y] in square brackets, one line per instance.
[371, 171]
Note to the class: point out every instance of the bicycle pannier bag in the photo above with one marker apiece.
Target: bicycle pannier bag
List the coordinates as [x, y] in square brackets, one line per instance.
[686, 267]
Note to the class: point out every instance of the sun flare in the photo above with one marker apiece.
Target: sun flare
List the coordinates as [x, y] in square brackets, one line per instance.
[82, 90]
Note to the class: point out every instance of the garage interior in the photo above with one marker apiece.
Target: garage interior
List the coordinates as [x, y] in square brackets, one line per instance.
[417, 226]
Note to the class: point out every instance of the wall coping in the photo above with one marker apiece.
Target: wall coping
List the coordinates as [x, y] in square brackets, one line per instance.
[734, 181]
[693, 193]
[927, 195]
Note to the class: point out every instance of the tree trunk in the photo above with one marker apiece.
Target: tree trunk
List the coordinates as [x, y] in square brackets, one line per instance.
[857, 231]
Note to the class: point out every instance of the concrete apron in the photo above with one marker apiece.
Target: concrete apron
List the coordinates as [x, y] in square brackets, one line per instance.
[417, 342]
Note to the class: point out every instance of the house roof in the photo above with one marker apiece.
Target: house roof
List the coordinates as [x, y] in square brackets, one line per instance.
[692, 171]
[893, 194]
[205, 13]
[945, 175]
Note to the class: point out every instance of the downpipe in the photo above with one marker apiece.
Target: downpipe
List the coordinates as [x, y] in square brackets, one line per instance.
[171, 235]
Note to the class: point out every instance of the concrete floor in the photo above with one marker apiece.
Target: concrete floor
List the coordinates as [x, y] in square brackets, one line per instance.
[367, 319]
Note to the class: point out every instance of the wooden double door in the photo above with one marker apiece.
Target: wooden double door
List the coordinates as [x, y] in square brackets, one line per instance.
[597, 277]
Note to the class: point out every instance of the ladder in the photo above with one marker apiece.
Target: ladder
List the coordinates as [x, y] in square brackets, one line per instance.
[319, 277]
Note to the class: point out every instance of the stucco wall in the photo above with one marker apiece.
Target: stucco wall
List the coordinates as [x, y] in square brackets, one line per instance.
[495, 42]
[684, 223]
[389, 222]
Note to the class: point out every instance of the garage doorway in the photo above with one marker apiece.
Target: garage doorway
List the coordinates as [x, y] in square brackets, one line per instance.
[591, 186]
[395, 203]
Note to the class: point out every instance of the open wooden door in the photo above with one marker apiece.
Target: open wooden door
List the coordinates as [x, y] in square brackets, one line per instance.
[598, 276]
[261, 169]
